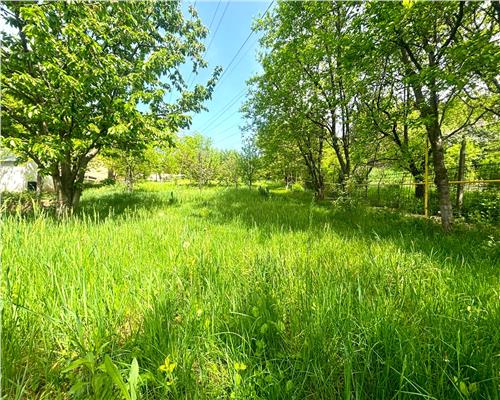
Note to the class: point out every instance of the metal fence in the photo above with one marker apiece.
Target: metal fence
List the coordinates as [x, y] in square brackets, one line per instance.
[399, 190]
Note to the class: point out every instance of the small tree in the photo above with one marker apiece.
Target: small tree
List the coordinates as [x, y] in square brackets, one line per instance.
[197, 158]
[131, 164]
[249, 162]
[229, 173]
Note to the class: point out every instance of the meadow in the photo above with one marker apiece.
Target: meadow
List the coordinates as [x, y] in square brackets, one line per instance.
[174, 292]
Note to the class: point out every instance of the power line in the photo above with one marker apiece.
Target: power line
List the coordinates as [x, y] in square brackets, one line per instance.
[226, 107]
[217, 28]
[190, 81]
[241, 47]
[225, 74]
[222, 122]
[229, 136]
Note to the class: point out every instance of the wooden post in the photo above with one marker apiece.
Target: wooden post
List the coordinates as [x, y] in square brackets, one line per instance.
[426, 180]
[460, 176]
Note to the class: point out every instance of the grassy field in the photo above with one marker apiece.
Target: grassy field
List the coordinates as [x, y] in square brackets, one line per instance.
[228, 294]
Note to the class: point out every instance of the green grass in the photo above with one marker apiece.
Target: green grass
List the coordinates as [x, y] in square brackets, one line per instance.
[250, 297]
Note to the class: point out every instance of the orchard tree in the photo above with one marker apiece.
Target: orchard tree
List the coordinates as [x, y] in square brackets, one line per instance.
[78, 78]
[228, 170]
[197, 159]
[131, 164]
[249, 161]
[434, 44]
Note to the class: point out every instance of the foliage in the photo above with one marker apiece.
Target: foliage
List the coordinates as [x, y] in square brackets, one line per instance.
[74, 75]
[352, 86]
[197, 159]
[249, 162]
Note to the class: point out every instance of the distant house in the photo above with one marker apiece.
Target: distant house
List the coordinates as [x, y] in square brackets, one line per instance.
[16, 176]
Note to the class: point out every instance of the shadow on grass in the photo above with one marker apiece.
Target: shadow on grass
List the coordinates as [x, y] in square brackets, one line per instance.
[119, 202]
[298, 212]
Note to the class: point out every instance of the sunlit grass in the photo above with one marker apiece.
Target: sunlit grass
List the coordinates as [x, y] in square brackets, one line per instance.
[222, 293]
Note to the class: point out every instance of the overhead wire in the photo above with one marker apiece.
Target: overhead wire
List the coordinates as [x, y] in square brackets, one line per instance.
[192, 76]
[226, 73]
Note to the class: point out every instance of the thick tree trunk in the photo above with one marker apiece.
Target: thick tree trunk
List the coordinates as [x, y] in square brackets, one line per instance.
[68, 190]
[460, 176]
[441, 178]
[68, 183]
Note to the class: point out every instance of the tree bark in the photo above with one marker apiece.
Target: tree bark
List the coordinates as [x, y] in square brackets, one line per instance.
[68, 187]
[68, 182]
[441, 178]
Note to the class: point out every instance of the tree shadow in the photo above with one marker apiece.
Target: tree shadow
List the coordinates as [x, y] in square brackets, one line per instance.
[117, 202]
[289, 211]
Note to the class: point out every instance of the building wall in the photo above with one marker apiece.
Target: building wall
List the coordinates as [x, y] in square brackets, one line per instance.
[15, 178]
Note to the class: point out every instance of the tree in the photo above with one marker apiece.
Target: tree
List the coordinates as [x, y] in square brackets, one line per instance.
[74, 75]
[130, 164]
[429, 41]
[198, 160]
[249, 161]
[228, 171]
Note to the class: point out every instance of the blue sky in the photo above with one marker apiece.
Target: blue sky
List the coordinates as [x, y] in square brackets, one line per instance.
[223, 126]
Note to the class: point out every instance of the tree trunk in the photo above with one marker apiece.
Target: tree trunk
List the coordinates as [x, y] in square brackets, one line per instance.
[419, 187]
[460, 176]
[68, 182]
[430, 113]
[441, 178]
[68, 188]
[129, 179]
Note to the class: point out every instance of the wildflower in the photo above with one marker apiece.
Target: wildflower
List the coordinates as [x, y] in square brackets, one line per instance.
[240, 366]
[199, 311]
[168, 366]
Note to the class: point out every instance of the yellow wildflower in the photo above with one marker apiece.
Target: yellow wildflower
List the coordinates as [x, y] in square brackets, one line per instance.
[168, 366]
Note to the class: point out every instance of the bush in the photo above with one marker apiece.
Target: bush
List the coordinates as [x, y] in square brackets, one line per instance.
[482, 206]
[264, 191]
[297, 187]
[108, 182]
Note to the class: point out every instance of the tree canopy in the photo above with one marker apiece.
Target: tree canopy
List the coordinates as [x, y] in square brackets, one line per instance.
[81, 77]
[372, 82]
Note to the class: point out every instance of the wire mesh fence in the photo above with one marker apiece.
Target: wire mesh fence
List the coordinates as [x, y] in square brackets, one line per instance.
[480, 187]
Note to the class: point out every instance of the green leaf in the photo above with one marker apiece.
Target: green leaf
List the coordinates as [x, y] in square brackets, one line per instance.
[133, 379]
[115, 375]
[463, 388]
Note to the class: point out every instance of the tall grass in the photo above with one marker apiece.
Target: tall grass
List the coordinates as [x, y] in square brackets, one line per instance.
[219, 293]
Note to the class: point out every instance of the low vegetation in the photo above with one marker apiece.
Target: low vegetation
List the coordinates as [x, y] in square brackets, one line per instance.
[179, 292]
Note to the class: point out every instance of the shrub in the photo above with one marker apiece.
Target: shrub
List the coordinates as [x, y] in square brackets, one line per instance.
[297, 187]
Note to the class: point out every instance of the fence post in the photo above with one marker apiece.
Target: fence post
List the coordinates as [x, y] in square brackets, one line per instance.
[461, 176]
[426, 179]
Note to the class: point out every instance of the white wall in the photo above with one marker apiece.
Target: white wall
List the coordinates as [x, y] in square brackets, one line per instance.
[15, 178]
